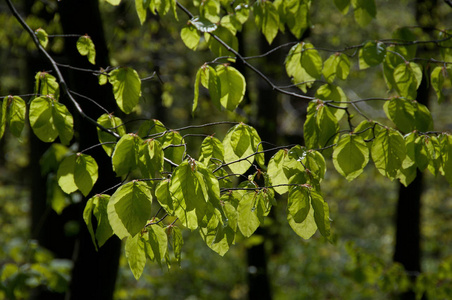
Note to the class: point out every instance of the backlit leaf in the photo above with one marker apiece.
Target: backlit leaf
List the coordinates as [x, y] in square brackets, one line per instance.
[126, 154]
[372, 54]
[350, 156]
[126, 88]
[114, 124]
[364, 10]
[304, 65]
[388, 152]
[267, 19]
[85, 47]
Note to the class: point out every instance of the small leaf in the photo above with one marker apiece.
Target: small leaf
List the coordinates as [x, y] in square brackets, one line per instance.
[151, 159]
[337, 65]
[114, 124]
[158, 242]
[335, 93]
[248, 220]
[342, 5]
[176, 241]
[304, 65]
[113, 2]
[141, 7]
[299, 203]
[85, 47]
[126, 88]
[296, 15]
[190, 36]
[42, 37]
[15, 109]
[129, 209]
[437, 79]
[97, 206]
[372, 54]
[212, 151]
[320, 127]
[321, 213]
[174, 146]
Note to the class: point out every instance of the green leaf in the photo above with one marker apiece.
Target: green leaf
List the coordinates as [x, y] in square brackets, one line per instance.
[50, 119]
[372, 54]
[446, 153]
[174, 146]
[282, 166]
[392, 60]
[129, 209]
[85, 47]
[227, 37]
[176, 241]
[232, 86]
[46, 85]
[240, 142]
[51, 159]
[151, 127]
[435, 161]
[304, 65]
[320, 127]
[364, 10]
[210, 10]
[218, 239]
[321, 213]
[350, 156]
[299, 203]
[97, 206]
[77, 172]
[141, 7]
[42, 36]
[136, 255]
[342, 5]
[164, 197]
[408, 115]
[337, 65]
[13, 114]
[267, 19]
[407, 78]
[213, 84]
[113, 2]
[151, 159]
[247, 220]
[335, 93]
[158, 243]
[212, 151]
[296, 14]
[190, 36]
[437, 79]
[126, 154]
[113, 123]
[423, 149]
[189, 192]
[388, 152]
[126, 88]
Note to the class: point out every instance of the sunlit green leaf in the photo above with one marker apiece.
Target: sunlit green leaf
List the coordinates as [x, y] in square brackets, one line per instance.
[42, 37]
[437, 79]
[335, 93]
[350, 156]
[321, 213]
[97, 206]
[407, 77]
[126, 154]
[190, 36]
[372, 54]
[77, 172]
[267, 19]
[129, 209]
[136, 255]
[304, 65]
[13, 114]
[114, 124]
[85, 47]
[46, 85]
[337, 65]
[158, 243]
[296, 15]
[141, 8]
[232, 86]
[212, 151]
[126, 88]
[320, 127]
[174, 146]
[151, 159]
[227, 37]
[388, 152]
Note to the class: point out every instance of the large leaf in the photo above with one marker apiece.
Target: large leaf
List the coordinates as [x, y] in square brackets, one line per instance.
[50, 119]
[304, 65]
[296, 15]
[97, 206]
[174, 146]
[408, 115]
[335, 93]
[77, 172]
[232, 86]
[247, 220]
[136, 255]
[372, 54]
[267, 19]
[129, 209]
[350, 156]
[437, 78]
[407, 77]
[226, 36]
[126, 88]
[337, 65]
[320, 127]
[281, 168]
[240, 142]
[189, 193]
[157, 244]
[126, 154]
[212, 151]
[388, 152]
[151, 159]
[190, 36]
[321, 213]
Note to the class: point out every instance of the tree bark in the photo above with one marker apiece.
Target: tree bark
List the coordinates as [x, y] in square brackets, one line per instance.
[94, 273]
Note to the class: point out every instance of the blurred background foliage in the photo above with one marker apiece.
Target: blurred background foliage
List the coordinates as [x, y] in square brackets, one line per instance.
[358, 265]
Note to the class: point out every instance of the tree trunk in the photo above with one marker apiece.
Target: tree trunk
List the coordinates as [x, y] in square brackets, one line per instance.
[94, 273]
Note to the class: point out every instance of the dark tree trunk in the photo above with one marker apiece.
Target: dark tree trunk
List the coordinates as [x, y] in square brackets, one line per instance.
[94, 273]
[408, 216]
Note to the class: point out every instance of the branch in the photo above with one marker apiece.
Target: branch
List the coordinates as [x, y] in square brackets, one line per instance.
[60, 77]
